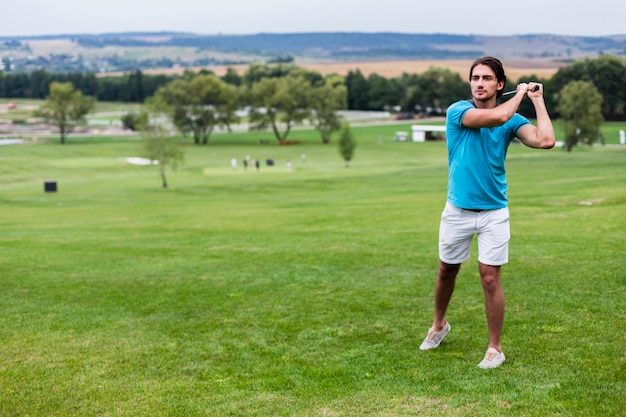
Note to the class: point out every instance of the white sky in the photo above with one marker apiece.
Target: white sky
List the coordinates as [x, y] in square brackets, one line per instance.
[465, 17]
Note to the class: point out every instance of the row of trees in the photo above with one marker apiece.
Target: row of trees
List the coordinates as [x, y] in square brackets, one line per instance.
[607, 74]
[134, 87]
[410, 92]
[429, 92]
[198, 103]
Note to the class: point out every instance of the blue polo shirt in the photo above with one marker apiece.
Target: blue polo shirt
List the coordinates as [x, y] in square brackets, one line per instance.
[476, 173]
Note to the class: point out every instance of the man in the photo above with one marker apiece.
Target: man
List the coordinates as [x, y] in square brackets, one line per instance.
[478, 133]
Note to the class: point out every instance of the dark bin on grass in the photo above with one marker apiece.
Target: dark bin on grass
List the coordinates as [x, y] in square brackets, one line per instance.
[50, 186]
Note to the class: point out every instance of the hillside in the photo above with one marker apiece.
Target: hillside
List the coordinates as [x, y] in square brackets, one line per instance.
[130, 51]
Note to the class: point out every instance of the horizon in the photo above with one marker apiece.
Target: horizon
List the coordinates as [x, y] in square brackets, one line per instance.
[175, 32]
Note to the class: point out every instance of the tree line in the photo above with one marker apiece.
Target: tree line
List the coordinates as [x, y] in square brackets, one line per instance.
[276, 98]
[133, 87]
[427, 93]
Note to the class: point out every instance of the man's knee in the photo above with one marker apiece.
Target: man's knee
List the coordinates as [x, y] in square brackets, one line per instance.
[448, 271]
[490, 276]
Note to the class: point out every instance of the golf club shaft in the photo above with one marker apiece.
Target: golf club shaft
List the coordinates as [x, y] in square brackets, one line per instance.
[515, 91]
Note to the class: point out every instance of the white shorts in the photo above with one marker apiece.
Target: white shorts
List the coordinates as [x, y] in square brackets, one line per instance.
[458, 227]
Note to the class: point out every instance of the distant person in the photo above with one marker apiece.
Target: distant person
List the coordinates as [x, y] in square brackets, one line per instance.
[478, 133]
[245, 164]
[233, 163]
[257, 164]
[288, 166]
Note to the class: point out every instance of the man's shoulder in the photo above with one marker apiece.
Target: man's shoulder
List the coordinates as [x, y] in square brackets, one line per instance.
[456, 110]
[461, 104]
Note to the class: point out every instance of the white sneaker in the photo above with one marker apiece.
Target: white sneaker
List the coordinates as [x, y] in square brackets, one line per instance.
[493, 359]
[434, 338]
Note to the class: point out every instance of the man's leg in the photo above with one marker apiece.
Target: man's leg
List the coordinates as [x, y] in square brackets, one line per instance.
[455, 238]
[444, 287]
[494, 302]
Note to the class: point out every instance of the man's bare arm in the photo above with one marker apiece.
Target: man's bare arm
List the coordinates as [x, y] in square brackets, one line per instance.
[542, 135]
[496, 116]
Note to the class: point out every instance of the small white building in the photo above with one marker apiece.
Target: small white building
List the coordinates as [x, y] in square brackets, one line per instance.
[419, 131]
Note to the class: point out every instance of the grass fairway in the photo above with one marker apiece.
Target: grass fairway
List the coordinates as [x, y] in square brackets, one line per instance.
[302, 293]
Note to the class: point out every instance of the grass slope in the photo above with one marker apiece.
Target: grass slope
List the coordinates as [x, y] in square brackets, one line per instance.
[276, 293]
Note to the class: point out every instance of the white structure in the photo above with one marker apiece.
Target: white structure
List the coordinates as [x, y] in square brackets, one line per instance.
[419, 131]
[622, 137]
[401, 136]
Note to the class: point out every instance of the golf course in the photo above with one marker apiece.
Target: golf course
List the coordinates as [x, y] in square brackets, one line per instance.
[301, 291]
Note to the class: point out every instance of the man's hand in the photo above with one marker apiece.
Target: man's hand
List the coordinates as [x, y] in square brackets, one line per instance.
[535, 90]
[522, 88]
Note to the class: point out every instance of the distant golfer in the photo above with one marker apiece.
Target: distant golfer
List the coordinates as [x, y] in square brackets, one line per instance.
[478, 133]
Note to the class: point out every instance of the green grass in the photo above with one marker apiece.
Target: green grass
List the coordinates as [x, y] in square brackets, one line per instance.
[303, 293]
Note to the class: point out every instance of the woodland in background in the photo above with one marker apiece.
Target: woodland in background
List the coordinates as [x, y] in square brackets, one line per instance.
[425, 94]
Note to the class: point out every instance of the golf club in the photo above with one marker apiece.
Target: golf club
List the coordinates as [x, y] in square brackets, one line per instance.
[515, 91]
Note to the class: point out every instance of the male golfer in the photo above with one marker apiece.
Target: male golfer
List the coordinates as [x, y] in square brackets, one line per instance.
[478, 133]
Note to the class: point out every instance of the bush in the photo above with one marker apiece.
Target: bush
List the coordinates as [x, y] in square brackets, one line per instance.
[133, 121]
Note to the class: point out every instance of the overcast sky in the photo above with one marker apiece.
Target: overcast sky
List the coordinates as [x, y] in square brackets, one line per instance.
[467, 17]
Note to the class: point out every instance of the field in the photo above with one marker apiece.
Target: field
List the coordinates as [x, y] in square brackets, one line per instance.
[66, 46]
[303, 292]
[515, 68]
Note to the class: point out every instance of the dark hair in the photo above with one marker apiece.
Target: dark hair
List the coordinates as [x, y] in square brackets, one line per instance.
[496, 67]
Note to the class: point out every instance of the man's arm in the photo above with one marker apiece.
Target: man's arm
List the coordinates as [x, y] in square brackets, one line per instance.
[498, 115]
[542, 135]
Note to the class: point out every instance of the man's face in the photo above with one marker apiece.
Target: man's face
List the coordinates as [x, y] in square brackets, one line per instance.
[484, 84]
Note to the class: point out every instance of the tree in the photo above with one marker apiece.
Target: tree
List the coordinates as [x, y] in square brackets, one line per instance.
[607, 73]
[134, 121]
[135, 87]
[199, 103]
[39, 84]
[231, 77]
[347, 143]
[358, 91]
[65, 107]
[280, 103]
[434, 90]
[257, 71]
[384, 93]
[159, 146]
[580, 106]
[164, 149]
[325, 101]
